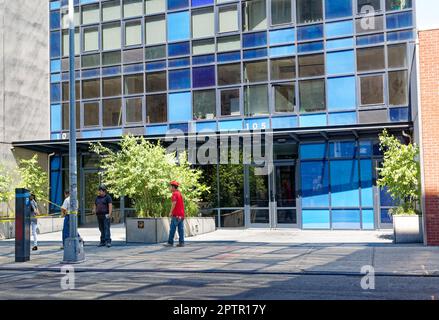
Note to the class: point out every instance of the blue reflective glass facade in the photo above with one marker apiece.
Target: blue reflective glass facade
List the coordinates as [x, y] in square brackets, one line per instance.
[319, 67]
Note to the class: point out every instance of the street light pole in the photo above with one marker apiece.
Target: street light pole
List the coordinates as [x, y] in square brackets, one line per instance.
[73, 248]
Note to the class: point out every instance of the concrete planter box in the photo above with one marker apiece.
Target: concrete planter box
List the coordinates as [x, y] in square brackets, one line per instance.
[156, 230]
[45, 225]
[407, 229]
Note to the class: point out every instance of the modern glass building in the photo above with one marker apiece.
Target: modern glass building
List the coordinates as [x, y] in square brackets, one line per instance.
[325, 76]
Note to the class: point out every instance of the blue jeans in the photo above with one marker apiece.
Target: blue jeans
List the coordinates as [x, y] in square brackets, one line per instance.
[176, 223]
[66, 229]
[104, 228]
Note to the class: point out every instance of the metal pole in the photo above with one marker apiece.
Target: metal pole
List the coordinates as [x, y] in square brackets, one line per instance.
[73, 248]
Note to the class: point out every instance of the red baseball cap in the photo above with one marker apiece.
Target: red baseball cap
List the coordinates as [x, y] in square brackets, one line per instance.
[174, 183]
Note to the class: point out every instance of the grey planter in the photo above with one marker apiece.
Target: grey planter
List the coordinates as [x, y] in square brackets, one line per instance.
[156, 230]
[407, 229]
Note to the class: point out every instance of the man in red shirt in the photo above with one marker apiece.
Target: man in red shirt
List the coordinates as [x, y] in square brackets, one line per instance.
[177, 215]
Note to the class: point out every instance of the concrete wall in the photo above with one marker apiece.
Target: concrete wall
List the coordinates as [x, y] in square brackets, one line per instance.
[24, 77]
[45, 225]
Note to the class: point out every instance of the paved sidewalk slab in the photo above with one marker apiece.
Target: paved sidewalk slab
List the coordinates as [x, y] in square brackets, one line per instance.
[237, 251]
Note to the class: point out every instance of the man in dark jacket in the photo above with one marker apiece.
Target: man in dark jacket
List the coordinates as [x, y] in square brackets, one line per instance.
[103, 208]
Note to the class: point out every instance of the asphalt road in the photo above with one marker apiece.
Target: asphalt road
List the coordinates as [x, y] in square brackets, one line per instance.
[186, 285]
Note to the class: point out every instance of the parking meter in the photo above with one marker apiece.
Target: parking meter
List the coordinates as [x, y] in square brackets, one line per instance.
[22, 225]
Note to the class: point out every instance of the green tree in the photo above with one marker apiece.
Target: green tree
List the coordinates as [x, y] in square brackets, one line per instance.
[6, 192]
[400, 173]
[142, 171]
[34, 177]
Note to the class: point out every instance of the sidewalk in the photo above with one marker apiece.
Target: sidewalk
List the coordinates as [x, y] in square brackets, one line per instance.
[241, 251]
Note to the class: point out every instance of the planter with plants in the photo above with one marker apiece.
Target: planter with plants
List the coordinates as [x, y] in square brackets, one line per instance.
[142, 170]
[400, 175]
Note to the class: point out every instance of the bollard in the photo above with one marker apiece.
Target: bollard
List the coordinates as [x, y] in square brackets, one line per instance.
[22, 225]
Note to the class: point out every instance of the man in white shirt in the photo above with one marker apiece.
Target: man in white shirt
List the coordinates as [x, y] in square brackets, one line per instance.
[65, 212]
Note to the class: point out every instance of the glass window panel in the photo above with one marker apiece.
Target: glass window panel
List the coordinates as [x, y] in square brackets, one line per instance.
[373, 116]
[284, 97]
[203, 46]
[111, 10]
[369, 24]
[155, 30]
[66, 116]
[368, 219]
[340, 62]
[315, 184]
[111, 86]
[342, 94]
[91, 89]
[310, 32]
[397, 56]
[178, 26]
[55, 20]
[65, 19]
[90, 14]
[338, 8]
[366, 6]
[398, 88]
[336, 29]
[254, 39]
[366, 180]
[313, 151]
[315, 219]
[346, 219]
[280, 11]
[134, 55]
[372, 91]
[203, 23]
[133, 110]
[256, 100]
[282, 36]
[133, 33]
[156, 82]
[179, 79]
[109, 58]
[91, 114]
[400, 20]
[178, 49]
[177, 4]
[283, 69]
[204, 104]
[132, 8]
[309, 11]
[155, 6]
[66, 91]
[229, 43]
[343, 149]
[398, 4]
[230, 102]
[91, 39]
[344, 183]
[227, 19]
[370, 59]
[180, 107]
[157, 52]
[229, 74]
[203, 77]
[66, 44]
[342, 118]
[111, 37]
[133, 84]
[311, 65]
[312, 95]
[112, 112]
[254, 15]
[255, 71]
[399, 114]
[90, 61]
[157, 108]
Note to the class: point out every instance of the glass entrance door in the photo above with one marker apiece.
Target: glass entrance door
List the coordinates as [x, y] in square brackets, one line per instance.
[259, 212]
[285, 195]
